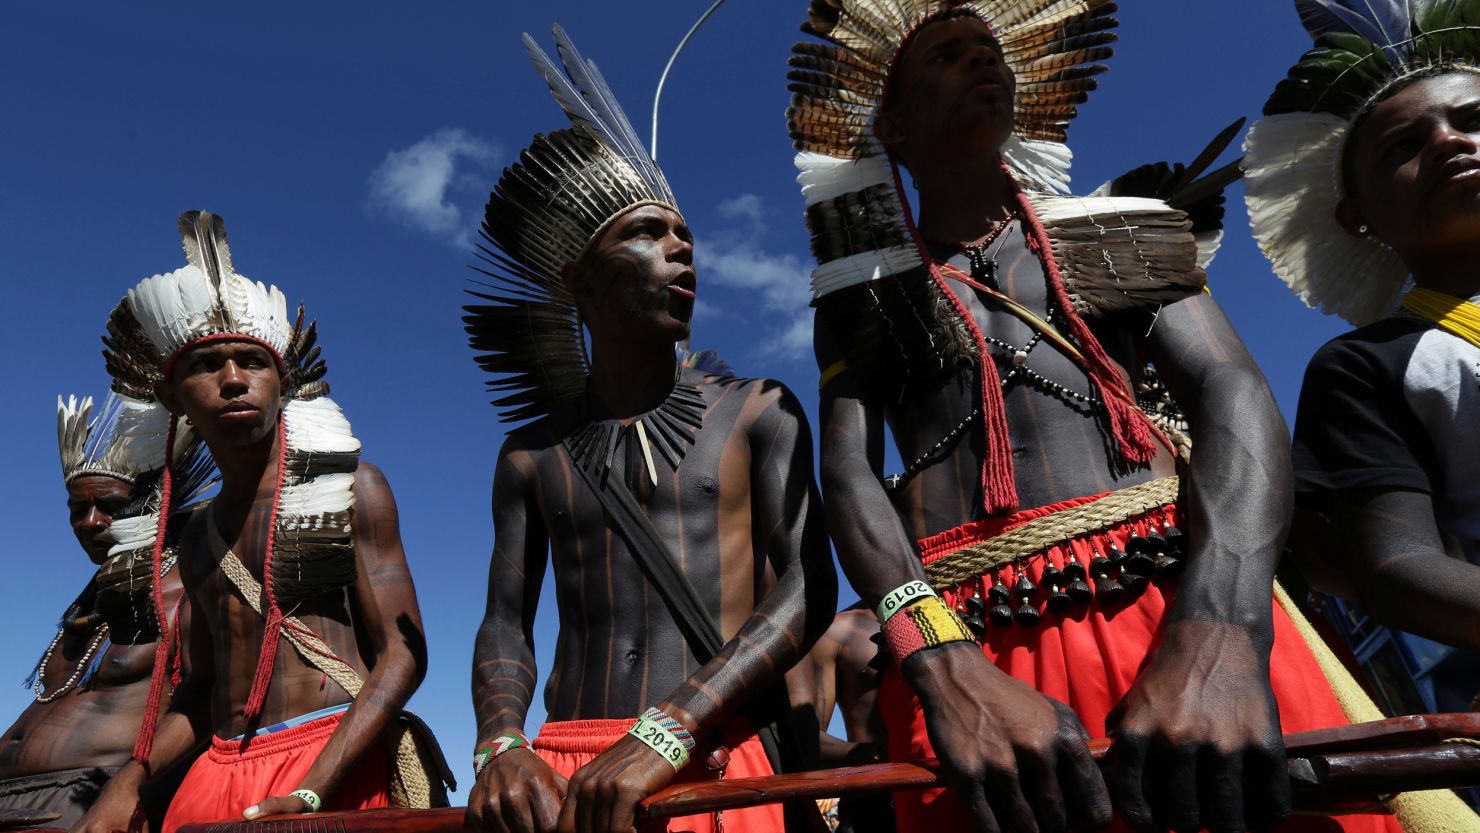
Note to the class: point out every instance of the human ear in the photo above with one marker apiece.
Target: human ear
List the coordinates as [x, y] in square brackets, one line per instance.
[1349, 217]
[889, 129]
[165, 393]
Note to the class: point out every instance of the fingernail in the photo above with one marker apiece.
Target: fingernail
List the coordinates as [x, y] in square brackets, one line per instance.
[252, 812]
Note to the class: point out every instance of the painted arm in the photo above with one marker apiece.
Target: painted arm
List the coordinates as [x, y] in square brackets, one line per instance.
[998, 740]
[385, 608]
[515, 791]
[787, 526]
[1202, 713]
[184, 725]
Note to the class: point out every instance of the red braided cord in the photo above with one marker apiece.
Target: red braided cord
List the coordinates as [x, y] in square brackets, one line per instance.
[145, 741]
[999, 488]
[272, 633]
[1128, 424]
[177, 663]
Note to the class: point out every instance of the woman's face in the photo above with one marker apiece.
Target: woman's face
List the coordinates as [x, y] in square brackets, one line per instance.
[1415, 168]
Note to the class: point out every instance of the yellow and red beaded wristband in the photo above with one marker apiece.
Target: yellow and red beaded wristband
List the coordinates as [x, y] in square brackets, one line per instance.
[926, 624]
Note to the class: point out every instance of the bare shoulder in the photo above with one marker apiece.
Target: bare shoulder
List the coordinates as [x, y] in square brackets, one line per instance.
[767, 402]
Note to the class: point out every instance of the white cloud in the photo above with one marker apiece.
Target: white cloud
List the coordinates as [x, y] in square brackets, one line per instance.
[415, 185]
[779, 283]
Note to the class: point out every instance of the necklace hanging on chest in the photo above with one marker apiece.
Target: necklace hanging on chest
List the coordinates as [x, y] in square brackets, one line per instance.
[666, 432]
[979, 255]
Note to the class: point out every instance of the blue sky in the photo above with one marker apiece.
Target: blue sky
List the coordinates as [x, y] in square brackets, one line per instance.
[350, 148]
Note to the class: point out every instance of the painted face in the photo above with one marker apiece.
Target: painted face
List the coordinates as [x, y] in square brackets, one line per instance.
[230, 390]
[1415, 166]
[951, 91]
[92, 502]
[638, 279]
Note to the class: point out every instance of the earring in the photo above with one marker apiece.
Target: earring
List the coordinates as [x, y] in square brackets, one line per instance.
[1362, 229]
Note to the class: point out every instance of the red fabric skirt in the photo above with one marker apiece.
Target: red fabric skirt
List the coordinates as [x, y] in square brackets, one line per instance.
[1088, 658]
[569, 745]
[226, 780]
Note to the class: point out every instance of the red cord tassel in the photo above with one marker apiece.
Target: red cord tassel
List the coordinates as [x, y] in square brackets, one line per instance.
[999, 488]
[1128, 424]
[145, 742]
[272, 633]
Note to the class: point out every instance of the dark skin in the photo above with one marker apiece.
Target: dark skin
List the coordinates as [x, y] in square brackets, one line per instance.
[740, 515]
[233, 393]
[1200, 722]
[838, 672]
[93, 726]
[1416, 187]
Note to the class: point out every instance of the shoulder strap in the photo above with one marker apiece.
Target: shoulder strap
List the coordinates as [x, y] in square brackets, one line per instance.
[656, 561]
[309, 645]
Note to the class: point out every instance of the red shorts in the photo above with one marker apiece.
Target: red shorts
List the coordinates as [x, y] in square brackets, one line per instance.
[225, 780]
[1088, 658]
[569, 745]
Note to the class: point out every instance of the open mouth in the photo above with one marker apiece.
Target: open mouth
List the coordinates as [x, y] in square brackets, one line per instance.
[684, 285]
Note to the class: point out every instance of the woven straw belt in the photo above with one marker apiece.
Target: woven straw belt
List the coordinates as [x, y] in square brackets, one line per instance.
[1041, 533]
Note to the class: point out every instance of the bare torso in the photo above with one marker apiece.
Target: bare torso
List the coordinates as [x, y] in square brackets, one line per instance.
[619, 649]
[235, 630]
[88, 726]
[1061, 448]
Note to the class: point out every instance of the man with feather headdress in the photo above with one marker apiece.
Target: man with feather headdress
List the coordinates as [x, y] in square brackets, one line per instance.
[1026, 562]
[92, 682]
[305, 639]
[668, 667]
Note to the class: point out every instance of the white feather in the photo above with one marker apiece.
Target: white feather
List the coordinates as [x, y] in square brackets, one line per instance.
[318, 425]
[1291, 189]
[826, 177]
[863, 267]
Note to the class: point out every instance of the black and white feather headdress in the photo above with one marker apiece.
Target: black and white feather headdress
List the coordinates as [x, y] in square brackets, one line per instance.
[545, 211]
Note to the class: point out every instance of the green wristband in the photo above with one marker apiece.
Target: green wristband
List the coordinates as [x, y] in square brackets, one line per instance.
[660, 740]
[310, 798]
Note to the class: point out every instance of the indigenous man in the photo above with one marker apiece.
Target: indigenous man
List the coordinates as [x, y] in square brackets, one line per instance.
[998, 340]
[301, 546]
[841, 670]
[703, 481]
[1387, 427]
[92, 682]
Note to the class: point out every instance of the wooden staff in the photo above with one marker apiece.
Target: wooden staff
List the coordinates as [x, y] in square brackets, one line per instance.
[1332, 771]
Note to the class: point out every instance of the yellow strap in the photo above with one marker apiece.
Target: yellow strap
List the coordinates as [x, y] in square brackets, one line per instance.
[833, 371]
[1453, 315]
[1428, 811]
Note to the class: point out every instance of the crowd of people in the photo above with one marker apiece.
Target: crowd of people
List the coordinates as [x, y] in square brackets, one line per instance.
[1098, 487]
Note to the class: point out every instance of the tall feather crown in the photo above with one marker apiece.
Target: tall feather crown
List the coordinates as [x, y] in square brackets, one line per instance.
[567, 187]
[1292, 157]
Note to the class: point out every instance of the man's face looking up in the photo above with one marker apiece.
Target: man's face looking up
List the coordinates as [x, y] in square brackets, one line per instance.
[93, 501]
[950, 92]
[230, 391]
[638, 280]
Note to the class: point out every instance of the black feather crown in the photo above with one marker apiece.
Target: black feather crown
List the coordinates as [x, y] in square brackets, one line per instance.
[564, 191]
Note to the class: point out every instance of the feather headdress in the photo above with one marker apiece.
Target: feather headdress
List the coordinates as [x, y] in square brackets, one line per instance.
[545, 211]
[1292, 157]
[900, 322]
[127, 442]
[310, 543]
